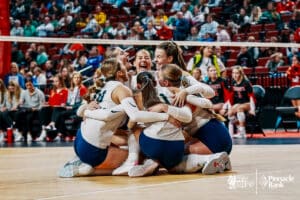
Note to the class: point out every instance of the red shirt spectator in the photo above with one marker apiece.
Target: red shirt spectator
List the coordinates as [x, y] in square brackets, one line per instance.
[293, 72]
[58, 98]
[285, 6]
[297, 35]
[164, 33]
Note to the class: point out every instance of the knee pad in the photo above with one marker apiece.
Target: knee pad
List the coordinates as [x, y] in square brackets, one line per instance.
[241, 116]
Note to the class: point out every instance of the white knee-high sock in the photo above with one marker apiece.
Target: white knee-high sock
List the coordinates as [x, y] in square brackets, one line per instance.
[192, 163]
[133, 148]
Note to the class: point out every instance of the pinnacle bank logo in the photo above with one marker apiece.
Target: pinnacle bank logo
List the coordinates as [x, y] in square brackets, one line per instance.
[259, 182]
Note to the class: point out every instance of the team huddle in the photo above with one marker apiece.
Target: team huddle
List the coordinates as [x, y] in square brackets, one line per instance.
[165, 118]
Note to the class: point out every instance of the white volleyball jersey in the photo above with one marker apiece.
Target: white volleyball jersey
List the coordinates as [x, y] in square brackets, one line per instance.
[164, 130]
[99, 133]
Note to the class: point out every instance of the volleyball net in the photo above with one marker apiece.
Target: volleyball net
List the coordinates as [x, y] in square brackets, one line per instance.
[275, 82]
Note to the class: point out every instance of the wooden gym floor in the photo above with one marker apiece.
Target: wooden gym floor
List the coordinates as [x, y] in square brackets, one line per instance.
[259, 172]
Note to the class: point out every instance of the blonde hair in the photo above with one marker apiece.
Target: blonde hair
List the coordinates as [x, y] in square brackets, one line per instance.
[16, 93]
[172, 73]
[2, 91]
[110, 67]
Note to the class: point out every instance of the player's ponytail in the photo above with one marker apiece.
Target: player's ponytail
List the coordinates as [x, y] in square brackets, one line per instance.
[147, 88]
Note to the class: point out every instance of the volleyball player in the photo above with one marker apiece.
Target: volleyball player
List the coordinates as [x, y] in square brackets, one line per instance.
[243, 101]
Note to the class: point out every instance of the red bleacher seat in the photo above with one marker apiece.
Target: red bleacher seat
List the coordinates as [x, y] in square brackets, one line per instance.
[234, 54]
[216, 10]
[255, 28]
[272, 34]
[230, 62]
[262, 61]
[261, 70]
[282, 68]
[286, 18]
[254, 34]
[270, 27]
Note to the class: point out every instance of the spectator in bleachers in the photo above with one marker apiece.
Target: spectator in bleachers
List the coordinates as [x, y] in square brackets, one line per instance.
[29, 29]
[213, 3]
[65, 21]
[31, 101]
[181, 27]
[17, 29]
[81, 64]
[50, 69]
[209, 27]
[218, 52]
[193, 36]
[100, 16]
[160, 15]
[157, 3]
[187, 14]
[255, 15]
[253, 51]
[142, 12]
[45, 29]
[108, 28]
[149, 18]
[66, 74]
[76, 7]
[17, 55]
[203, 59]
[293, 72]
[19, 9]
[91, 25]
[14, 75]
[138, 28]
[197, 74]
[242, 20]
[274, 62]
[244, 58]
[75, 96]
[57, 100]
[285, 6]
[150, 33]
[32, 66]
[222, 34]
[67, 5]
[120, 30]
[199, 13]
[271, 16]
[294, 22]
[94, 58]
[176, 6]
[291, 51]
[42, 56]
[54, 8]
[2, 109]
[14, 93]
[164, 32]
[39, 77]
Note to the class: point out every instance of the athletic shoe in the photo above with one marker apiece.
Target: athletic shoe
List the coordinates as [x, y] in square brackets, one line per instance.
[240, 136]
[18, 136]
[228, 166]
[29, 138]
[124, 168]
[147, 169]
[216, 163]
[42, 136]
[1, 137]
[76, 169]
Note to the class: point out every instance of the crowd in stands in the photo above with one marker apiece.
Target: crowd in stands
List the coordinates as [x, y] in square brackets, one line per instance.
[69, 67]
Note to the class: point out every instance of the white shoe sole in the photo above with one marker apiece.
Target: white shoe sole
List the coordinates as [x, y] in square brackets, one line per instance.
[216, 165]
[143, 170]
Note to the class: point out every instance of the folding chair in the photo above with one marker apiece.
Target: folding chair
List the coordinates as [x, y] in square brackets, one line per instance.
[252, 122]
[286, 112]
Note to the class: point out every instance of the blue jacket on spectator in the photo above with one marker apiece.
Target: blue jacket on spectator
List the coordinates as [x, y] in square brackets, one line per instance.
[18, 78]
